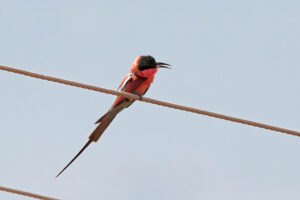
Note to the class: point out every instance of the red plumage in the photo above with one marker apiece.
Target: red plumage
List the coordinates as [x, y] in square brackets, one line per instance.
[137, 82]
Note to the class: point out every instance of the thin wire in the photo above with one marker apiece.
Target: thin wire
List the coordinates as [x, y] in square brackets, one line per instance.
[149, 100]
[28, 194]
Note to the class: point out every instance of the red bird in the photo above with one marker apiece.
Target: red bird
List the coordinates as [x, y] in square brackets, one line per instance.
[136, 82]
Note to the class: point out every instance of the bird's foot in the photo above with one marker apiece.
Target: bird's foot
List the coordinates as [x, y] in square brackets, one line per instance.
[140, 96]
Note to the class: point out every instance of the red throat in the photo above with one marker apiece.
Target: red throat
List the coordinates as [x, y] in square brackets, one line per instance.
[148, 73]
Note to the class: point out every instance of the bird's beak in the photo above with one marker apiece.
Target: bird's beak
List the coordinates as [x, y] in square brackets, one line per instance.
[162, 65]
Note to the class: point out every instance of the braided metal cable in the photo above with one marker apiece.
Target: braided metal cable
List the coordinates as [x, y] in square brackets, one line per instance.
[149, 100]
[28, 194]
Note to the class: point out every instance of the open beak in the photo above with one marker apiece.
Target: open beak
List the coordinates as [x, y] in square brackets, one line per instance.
[162, 65]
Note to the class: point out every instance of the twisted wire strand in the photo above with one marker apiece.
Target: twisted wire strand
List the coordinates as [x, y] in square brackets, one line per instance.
[28, 194]
[149, 100]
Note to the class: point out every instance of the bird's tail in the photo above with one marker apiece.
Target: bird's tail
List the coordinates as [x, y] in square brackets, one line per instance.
[83, 148]
[94, 137]
[105, 122]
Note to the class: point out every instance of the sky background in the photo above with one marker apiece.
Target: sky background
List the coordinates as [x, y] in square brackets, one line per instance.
[239, 58]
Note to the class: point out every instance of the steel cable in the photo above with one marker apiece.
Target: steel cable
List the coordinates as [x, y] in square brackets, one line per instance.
[149, 100]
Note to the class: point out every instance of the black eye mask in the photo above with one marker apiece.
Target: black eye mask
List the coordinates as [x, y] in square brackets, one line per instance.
[146, 62]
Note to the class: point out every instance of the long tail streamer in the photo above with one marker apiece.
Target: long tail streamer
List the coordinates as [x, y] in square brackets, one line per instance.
[149, 100]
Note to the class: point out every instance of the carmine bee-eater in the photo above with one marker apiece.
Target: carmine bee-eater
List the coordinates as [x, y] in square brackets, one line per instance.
[137, 82]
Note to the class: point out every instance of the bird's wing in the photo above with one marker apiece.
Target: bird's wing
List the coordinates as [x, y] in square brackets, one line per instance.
[125, 81]
[129, 85]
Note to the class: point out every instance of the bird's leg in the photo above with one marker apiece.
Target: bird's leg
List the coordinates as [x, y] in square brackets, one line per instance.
[141, 97]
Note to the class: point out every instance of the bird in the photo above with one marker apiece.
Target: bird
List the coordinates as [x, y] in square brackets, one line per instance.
[137, 82]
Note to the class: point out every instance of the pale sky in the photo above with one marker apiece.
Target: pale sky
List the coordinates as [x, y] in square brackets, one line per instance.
[239, 58]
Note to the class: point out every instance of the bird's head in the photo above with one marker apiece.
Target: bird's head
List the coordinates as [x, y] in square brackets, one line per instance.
[146, 66]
